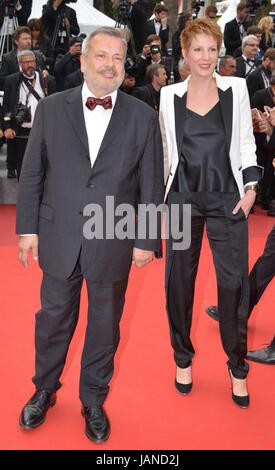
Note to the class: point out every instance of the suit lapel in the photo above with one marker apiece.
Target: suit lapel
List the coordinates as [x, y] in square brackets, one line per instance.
[226, 105]
[180, 107]
[74, 109]
[117, 124]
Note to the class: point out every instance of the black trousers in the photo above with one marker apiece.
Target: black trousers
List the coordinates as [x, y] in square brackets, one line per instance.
[262, 272]
[228, 237]
[55, 326]
[16, 150]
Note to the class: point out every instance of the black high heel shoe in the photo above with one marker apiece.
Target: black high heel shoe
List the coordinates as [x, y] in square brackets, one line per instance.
[241, 401]
[184, 389]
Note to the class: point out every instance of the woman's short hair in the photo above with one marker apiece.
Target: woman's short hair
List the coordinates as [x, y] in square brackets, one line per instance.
[200, 26]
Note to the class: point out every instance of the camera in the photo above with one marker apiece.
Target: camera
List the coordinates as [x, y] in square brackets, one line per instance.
[23, 114]
[196, 6]
[154, 49]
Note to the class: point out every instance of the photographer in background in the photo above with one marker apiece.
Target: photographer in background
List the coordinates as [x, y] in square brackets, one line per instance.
[159, 25]
[22, 40]
[150, 93]
[151, 54]
[23, 90]
[235, 29]
[60, 22]
[137, 19]
[68, 63]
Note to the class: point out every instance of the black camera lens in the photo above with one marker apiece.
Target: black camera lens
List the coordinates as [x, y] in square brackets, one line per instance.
[154, 49]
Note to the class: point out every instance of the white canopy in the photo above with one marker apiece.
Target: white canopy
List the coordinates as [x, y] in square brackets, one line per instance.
[88, 17]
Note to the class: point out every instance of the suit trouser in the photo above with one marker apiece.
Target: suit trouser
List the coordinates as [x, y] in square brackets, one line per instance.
[18, 146]
[55, 326]
[228, 237]
[263, 271]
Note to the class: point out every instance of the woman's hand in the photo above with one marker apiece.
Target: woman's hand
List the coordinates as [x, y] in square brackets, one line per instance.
[245, 203]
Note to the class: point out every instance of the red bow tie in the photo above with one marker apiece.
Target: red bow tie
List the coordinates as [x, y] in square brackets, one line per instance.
[106, 102]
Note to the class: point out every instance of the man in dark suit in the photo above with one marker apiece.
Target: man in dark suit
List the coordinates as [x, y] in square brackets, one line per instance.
[159, 26]
[16, 94]
[259, 78]
[150, 93]
[73, 80]
[151, 54]
[235, 29]
[247, 63]
[87, 146]
[137, 19]
[23, 41]
[60, 22]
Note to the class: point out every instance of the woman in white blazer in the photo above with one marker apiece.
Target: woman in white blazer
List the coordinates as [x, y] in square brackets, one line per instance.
[211, 165]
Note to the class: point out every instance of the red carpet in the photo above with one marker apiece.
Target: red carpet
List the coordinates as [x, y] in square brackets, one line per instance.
[146, 411]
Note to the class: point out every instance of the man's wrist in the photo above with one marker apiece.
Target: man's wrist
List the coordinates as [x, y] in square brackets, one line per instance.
[252, 187]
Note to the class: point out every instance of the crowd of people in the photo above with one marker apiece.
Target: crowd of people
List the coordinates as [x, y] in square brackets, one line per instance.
[215, 121]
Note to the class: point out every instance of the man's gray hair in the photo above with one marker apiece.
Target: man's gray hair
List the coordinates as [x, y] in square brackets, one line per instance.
[246, 39]
[24, 53]
[113, 32]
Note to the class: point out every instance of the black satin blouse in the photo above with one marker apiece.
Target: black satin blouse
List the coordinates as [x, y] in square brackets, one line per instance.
[204, 162]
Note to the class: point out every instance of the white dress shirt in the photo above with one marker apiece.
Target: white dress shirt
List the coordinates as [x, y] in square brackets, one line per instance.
[96, 121]
[32, 101]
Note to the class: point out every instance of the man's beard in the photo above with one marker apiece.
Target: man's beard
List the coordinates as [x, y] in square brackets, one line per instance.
[105, 87]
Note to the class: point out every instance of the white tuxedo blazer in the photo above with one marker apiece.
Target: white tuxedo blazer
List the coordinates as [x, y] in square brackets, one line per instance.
[235, 108]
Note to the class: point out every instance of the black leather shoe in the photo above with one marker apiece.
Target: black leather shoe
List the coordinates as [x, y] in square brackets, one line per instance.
[184, 389]
[97, 424]
[34, 412]
[213, 312]
[241, 401]
[11, 174]
[265, 355]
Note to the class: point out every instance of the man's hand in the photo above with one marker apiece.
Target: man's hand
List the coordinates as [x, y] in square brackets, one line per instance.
[1, 133]
[245, 203]
[142, 257]
[9, 134]
[26, 244]
[146, 50]
[75, 49]
[163, 19]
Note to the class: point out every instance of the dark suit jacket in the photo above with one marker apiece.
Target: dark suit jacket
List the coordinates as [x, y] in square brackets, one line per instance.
[73, 80]
[22, 15]
[255, 81]
[148, 95]
[163, 34]
[10, 65]
[241, 67]
[232, 38]
[57, 182]
[11, 94]
[138, 16]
